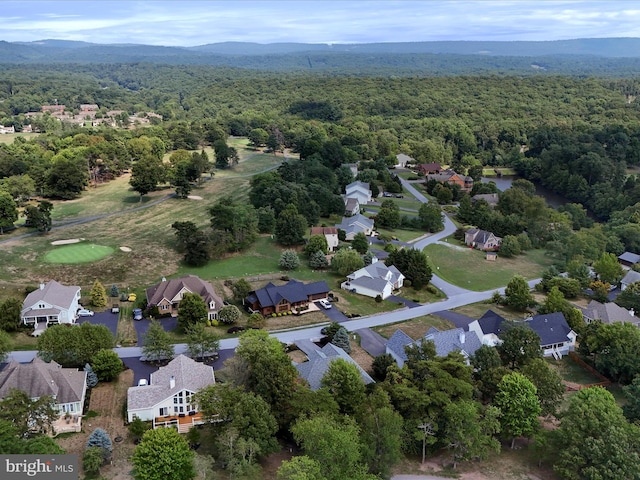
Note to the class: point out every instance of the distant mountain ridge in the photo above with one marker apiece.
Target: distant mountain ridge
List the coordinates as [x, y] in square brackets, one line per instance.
[603, 47]
[599, 56]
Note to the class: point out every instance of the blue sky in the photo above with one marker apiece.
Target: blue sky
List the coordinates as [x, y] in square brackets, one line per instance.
[189, 23]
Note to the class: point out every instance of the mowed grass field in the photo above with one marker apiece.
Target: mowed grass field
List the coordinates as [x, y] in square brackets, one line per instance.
[469, 268]
[146, 231]
[78, 253]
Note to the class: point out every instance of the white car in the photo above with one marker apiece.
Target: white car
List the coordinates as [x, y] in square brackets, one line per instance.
[325, 303]
[83, 312]
[142, 382]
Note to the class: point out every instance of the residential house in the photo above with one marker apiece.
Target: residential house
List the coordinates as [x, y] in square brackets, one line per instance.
[351, 207]
[374, 280]
[359, 190]
[452, 178]
[403, 160]
[4, 129]
[330, 234]
[556, 336]
[607, 313]
[284, 298]
[353, 167]
[628, 259]
[445, 342]
[488, 328]
[167, 294]
[356, 224]
[67, 386]
[454, 340]
[631, 277]
[168, 399]
[53, 108]
[319, 361]
[429, 168]
[481, 239]
[50, 304]
[492, 199]
[396, 345]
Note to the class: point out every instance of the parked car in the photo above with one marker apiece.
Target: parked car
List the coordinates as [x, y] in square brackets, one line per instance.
[142, 382]
[137, 314]
[115, 308]
[325, 304]
[399, 195]
[83, 312]
[236, 329]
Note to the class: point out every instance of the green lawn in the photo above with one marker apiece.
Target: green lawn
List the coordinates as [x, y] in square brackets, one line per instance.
[468, 268]
[400, 234]
[572, 372]
[78, 253]
[10, 137]
[416, 327]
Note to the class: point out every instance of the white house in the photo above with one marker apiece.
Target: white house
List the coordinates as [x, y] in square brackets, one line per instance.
[51, 304]
[373, 280]
[168, 398]
[402, 160]
[330, 234]
[556, 336]
[359, 190]
[67, 386]
[488, 328]
[356, 224]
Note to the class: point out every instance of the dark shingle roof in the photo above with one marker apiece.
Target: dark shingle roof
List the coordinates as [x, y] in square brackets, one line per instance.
[491, 322]
[293, 291]
[551, 328]
[397, 342]
[169, 289]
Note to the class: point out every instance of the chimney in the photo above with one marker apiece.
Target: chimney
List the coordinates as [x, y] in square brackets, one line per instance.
[41, 286]
[462, 337]
[632, 312]
[172, 381]
[164, 279]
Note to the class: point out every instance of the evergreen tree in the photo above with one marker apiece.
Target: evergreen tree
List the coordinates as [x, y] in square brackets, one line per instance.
[92, 378]
[100, 438]
[341, 339]
[98, 295]
[318, 260]
[289, 260]
[156, 343]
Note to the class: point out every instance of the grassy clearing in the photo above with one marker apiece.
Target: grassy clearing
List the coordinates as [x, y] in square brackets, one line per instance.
[400, 234]
[416, 327]
[9, 138]
[78, 253]
[572, 372]
[476, 310]
[468, 268]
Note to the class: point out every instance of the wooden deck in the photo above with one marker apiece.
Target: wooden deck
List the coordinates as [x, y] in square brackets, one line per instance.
[183, 424]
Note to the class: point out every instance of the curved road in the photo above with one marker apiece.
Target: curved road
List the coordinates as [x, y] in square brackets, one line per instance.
[457, 297]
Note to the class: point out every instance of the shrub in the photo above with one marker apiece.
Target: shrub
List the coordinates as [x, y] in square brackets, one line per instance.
[407, 283]
[137, 428]
[378, 299]
[229, 314]
[92, 460]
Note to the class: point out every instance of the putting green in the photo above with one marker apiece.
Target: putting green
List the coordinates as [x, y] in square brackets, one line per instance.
[78, 253]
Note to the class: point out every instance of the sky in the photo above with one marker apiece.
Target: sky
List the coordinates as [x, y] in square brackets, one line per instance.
[191, 23]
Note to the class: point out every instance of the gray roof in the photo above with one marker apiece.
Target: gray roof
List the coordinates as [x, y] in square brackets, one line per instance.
[351, 223]
[608, 312]
[551, 328]
[631, 277]
[398, 341]
[490, 198]
[39, 378]
[187, 373]
[351, 203]
[356, 185]
[53, 293]
[318, 364]
[375, 284]
[454, 340]
[168, 289]
[629, 257]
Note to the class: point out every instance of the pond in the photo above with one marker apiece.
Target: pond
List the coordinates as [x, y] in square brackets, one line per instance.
[503, 183]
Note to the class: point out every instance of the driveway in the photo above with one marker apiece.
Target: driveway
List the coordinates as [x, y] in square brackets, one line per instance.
[458, 319]
[405, 301]
[169, 323]
[372, 342]
[333, 313]
[144, 369]
[103, 318]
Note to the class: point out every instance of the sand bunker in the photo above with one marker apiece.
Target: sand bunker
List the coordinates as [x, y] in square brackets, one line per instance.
[67, 242]
[194, 197]
[125, 249]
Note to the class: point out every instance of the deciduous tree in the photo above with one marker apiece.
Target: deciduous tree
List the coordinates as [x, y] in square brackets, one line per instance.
[290, 226]
[345, 384]
[316, 243]
[360, 243]
[107, 365]
[156, 343]
[10, 314]
[520, 345]
[346, 261]
[517, 294]
[519, 406]
[163, 454]
[74, 346]
[413, 264]
[201, 342]
[8, 211]
[191, 311]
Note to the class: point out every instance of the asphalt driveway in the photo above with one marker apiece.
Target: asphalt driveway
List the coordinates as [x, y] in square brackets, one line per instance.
[372, 342]
[333, 313]
[458, 319]
[169, 323]
[405, 301]
[110, 320]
